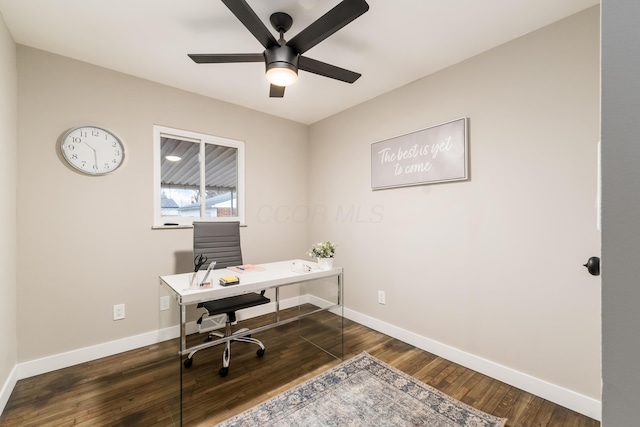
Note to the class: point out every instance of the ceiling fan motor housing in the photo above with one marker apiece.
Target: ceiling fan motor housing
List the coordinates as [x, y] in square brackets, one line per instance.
[281, 57]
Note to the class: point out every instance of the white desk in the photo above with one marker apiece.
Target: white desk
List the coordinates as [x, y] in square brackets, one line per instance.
[274, 275]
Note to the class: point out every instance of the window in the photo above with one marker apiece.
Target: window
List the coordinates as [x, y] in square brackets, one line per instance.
[188, 189]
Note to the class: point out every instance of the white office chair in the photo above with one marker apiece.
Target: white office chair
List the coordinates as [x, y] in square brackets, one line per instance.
[220, 242]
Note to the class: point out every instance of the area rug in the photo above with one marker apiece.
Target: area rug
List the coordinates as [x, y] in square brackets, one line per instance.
[363, 391]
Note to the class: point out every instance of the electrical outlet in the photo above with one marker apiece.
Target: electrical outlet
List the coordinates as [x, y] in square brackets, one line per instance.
[381, 298]
[118, 311]
[164, 303]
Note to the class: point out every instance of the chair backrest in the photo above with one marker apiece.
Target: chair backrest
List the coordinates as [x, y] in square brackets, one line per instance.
[219, 242]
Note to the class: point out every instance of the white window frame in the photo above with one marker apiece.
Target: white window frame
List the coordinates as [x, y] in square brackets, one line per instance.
[162, 131]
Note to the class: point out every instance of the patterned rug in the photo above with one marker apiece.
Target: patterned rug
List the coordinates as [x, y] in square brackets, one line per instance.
[363, 391]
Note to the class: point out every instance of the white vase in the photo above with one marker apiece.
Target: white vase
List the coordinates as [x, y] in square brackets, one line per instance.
[325, 263]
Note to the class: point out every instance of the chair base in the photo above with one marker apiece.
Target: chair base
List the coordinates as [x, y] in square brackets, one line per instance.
[226, 355]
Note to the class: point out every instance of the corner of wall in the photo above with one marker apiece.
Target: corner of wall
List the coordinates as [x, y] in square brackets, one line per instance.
[8, 217]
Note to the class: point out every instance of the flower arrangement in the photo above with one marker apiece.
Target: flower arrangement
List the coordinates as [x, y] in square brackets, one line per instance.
[323, 250]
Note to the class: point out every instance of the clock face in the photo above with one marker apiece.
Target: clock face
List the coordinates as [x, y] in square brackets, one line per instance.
[92, 150]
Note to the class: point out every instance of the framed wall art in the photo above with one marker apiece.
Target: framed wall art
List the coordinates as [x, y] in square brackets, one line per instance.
[428, 156]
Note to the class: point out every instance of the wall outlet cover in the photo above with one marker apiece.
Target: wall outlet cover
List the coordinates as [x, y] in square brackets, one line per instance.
[118, 312]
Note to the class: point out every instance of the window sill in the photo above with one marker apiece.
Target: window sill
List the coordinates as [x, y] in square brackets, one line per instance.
[179, 226]
[170, 227]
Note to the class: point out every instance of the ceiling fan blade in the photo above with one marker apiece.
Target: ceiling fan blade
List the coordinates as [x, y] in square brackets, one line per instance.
[327, 70]
[276, 91]
[224, 58]
[327, 24]
[249, 19]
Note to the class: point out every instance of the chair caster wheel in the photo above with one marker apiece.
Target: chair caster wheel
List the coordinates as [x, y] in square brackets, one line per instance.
[260, 352]
[187, 363]
[223, 372]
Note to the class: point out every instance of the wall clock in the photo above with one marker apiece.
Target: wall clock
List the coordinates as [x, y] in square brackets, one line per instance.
[92, 150]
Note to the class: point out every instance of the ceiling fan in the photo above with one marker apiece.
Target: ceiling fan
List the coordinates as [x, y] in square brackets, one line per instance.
[284, 58]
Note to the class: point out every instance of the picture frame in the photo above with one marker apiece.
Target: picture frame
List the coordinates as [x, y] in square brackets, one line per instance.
[428, 156]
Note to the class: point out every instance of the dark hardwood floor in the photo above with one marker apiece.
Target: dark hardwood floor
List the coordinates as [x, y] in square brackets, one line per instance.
[141, 387]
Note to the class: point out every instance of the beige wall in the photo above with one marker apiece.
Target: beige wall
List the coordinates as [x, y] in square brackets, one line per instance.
[8, 175]
[86, 243]
[491, 266]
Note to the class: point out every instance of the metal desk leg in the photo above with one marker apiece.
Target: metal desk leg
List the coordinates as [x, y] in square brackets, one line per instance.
[278, 304]
[183, 327]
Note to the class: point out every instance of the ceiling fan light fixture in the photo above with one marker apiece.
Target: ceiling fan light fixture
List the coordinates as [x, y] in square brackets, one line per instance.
[281, 74]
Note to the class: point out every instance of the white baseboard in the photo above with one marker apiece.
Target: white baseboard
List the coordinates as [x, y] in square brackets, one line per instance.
[562, 396]
[87, 354]
[569, 399]
[8, 387]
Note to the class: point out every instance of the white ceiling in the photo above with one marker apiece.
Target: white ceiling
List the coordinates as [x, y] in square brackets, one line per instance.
[394, 43]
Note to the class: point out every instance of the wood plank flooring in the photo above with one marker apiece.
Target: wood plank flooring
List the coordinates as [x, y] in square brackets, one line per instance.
[141, 387]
